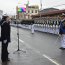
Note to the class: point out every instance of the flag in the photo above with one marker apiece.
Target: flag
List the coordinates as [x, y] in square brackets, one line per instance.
[22, 9]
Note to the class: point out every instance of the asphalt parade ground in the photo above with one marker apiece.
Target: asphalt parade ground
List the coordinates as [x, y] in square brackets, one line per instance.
[36, 49]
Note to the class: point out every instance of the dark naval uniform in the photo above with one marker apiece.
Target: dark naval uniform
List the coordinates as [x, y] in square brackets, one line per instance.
[5, 38]
[62, 32]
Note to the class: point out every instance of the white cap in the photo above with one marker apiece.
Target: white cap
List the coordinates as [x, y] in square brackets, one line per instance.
[5, 15]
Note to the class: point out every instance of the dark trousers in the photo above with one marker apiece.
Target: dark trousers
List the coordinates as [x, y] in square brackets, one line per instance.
[4, 51]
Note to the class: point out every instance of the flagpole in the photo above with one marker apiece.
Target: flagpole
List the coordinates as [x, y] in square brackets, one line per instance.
[40, 9]
[27, 2]
[40, 4]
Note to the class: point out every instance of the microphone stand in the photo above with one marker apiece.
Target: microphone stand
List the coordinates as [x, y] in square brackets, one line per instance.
[18, 50]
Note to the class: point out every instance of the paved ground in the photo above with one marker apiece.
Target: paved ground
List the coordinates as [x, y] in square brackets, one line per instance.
[37, 49]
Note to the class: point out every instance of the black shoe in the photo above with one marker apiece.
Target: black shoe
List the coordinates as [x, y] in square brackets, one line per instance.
[62, 48]
[3, 60]
[8, 59]
[8, 52]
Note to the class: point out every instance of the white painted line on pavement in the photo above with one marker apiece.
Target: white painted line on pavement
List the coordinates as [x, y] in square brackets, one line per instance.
[50, 59]
[29, 46]
[25, 43]
[21, 40]
[44, 55]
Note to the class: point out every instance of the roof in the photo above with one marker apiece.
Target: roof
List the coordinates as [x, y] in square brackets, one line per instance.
[33, 6]
[48, 10]
[50, 13]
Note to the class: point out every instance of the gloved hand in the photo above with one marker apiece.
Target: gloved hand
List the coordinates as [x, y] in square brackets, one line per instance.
[5, 41]
[59, 35]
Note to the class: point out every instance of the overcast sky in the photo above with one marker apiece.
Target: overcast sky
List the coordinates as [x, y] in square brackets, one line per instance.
[9, 6]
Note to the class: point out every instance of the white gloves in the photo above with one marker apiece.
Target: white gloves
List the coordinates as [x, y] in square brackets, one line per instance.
[4, 41]
[59, 35]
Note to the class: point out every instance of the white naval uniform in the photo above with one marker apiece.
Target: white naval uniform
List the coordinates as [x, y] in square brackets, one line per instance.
[32, 28]
[63, 40]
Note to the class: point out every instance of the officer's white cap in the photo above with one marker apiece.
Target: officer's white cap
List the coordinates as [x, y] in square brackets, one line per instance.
[5, 15]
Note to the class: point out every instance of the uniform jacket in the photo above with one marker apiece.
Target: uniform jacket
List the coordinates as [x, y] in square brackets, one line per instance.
[5, 31]
[62, 28]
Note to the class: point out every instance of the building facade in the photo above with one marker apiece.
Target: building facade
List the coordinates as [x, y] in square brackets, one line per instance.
[30, 10]
[20, 15]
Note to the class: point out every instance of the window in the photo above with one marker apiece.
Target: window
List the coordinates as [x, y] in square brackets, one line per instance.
[28, 11]
[35, 11]
[32, 11]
